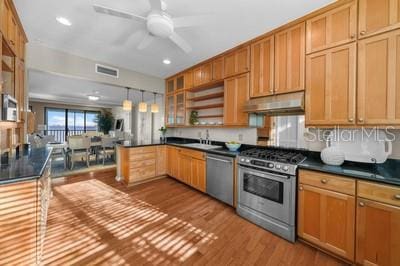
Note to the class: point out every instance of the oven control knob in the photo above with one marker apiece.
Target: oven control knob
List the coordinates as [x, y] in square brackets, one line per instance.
[247, 160]
[270, 165]
[278, 166]
[242, 160]
[285, 168]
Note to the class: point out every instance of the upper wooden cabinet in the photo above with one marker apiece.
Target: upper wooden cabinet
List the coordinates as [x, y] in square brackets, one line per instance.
[290, 59]
[237, 62]
[331, 87]
[236, 95]
[378, 79]
[170, 84]
[262, 68]
[202, 74]
[170, 110]
[335, 27]
[184, 81]
[377, 16]
[218, 69]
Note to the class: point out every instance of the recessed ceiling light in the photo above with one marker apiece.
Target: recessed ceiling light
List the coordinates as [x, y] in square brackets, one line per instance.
[167, 61]
[64, 21]
[93, 98]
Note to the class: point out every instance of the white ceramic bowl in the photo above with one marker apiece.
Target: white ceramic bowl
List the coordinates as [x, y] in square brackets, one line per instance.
[233, 147]
[333, 156]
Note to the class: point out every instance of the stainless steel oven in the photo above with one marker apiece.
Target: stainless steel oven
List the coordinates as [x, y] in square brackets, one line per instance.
[268, 199]
[9, 108]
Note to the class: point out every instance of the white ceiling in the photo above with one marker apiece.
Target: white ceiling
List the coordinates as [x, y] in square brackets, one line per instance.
[113, 40]
[53, 88]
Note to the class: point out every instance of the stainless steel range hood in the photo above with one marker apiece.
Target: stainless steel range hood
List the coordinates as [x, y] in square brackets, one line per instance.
[275, 105]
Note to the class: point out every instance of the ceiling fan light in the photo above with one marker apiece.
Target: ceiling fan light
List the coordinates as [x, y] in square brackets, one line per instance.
[154, 108]
[127, 105]
[143, 107]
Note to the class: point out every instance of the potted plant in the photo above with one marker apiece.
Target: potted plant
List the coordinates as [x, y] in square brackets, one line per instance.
[194, 118]
[163, 131]
[105, 121]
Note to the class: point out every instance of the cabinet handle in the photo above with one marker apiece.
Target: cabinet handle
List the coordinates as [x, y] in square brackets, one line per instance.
[361, 204]
[300, 188]
[324, 181]
[363, 32]
[351, 119]
[361, 120]
[352, 36]
[397, 197]
[271, 91]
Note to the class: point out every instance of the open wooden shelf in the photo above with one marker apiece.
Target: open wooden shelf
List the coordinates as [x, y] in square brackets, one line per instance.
[207, 86]
[207, 97]
[211, 116]
[5, 67]
[6, 50]
[209, 106]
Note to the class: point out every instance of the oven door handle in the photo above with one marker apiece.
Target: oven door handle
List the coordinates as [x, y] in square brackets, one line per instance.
[262, 174]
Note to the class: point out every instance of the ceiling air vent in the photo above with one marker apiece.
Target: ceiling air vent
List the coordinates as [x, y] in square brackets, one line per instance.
[106, 70]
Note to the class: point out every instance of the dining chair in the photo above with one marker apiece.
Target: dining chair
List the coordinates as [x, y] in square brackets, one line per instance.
[79, 149]
[107, 148]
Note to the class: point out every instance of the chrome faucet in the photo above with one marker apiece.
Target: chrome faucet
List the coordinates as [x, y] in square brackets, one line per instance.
[208, 142]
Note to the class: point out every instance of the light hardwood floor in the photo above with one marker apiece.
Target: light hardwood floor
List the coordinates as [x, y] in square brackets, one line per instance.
[95, 220]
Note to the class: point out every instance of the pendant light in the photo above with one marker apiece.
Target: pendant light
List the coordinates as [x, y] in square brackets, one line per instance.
[142, 104]
[127, 104]
[154, 106]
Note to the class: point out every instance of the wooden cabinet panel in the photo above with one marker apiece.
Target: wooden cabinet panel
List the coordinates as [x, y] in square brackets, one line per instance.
[377, 16]
[170, 85]
[198, 174]
[236, 92]
[237, 62]
[170, 110]
[161, 164]
[142, 173]
[197, 77]
[290, 59]
[327, 219]
[5, 11]
[378, 192]
[188, 79]
[378, 79]
[331, 86]
[12, 31]
[262, 68]
[173, 162]
[378, 233]
[218, 69]
[335, 27]
[185, 168]
[229, 64]
[180, 111]
[206, 73]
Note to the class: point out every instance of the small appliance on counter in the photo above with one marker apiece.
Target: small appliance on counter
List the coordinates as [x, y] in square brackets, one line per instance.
[9, 108]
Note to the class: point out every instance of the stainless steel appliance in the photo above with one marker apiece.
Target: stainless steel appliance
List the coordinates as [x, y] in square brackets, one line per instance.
[9, 108]
[267, 189]
[220, 177]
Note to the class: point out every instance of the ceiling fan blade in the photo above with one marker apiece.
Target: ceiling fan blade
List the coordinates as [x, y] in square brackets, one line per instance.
[147, 40]
[189, 21]
[179, 41]
[155, 4]
[118, 13]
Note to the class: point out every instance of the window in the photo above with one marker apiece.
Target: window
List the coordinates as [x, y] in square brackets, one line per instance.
[65, 122]
[288, 131]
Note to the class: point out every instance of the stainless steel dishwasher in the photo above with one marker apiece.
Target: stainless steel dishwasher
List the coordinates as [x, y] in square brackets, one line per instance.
[220, 177]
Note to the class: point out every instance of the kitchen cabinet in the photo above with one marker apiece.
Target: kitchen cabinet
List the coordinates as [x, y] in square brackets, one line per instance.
[326, 212]
[5, 11]
[12, 31]
[198, 174]
[202, 74]
[172, 161]
[170, 84]
[331, 87]
[20, 86]
[377, 16]
[237, 62]
[180, 110]
[332, 28]
[290, 59]
[236, 94]
[161, 165]
[170, 110]
[378, 224]
[262, 67]
[378, 79]
[218, 69]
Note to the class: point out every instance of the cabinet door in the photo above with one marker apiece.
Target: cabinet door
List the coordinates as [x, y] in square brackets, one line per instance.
[206, 73]
[331, 86]
[170, 109]
[377, 16]
[229, 65]
[335, 27]
[197, 77]
[172, 161]
[242, 60]
[20, 85]
[290, 59]
[198, 175]
[5, 10]
[379, 80]
[185, 168]
[170, 85]
[378, 233]
[180, 82]
[218, 69]
[12, 31]
[236, 92]
[161, 165]
[262, 68]
[327, 219]
[180, 108]
[188, 79]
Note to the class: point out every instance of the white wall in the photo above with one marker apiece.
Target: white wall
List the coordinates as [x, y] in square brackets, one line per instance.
[53, 61]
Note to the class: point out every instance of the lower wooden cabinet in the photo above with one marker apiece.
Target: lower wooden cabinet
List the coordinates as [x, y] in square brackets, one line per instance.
[378, 224]
[198, 174]
[161, 163]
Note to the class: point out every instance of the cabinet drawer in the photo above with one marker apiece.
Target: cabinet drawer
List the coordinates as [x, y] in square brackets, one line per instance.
[140, 150]
[141, 157]
[328, 181]
[193, 153]
[139, 174]
[144, 163]
[377, 192]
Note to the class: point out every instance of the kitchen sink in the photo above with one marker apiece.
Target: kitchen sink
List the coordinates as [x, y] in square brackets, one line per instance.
[202, 146]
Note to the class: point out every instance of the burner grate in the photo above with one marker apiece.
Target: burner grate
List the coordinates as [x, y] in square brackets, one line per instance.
[283, 156]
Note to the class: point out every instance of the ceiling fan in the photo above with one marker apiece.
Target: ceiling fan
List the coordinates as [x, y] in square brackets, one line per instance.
[158, 23]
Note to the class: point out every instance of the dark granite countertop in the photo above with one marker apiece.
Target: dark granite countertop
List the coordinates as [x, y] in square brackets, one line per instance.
[29, 165]
[388, 172]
